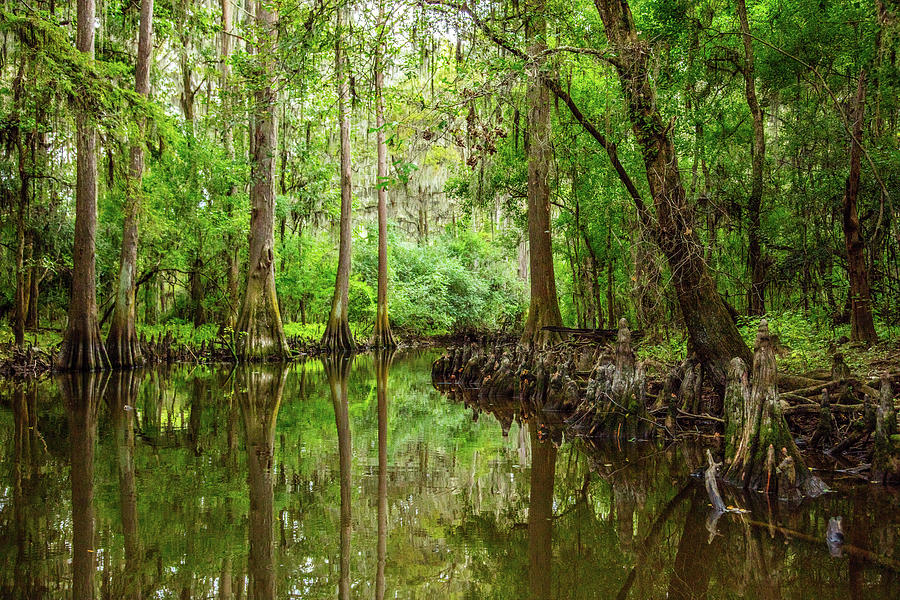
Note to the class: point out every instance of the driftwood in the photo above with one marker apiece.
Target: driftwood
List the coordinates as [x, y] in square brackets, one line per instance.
[712, 488]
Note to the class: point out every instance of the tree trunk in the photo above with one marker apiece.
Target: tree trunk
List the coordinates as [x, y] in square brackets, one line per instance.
[337, 334]
[32, 320]
[713, 333]
[260, 398]
[21, 299]
[24, 145]
[230, 252]
[757, 431]
[122, 342]
[543, 310]
[82, 347]
[862, 326]
[259, 322]
[756, 264]
[151, 300]
[381, 336]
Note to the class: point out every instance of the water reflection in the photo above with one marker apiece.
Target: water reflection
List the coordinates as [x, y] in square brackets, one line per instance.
[239, 483]
[260, 390]
[337, 371]
[383, 360]
[540, 516]
[81, 394]
[122, 392]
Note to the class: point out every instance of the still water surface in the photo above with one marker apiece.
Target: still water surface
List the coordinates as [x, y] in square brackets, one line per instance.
[359, 480]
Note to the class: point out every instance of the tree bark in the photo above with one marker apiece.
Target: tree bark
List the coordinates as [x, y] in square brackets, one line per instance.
[82, 347]
[757, 431]
[713, 333]
[21, 298]
[259, 322]
[230, 252]
[756, 265]
[862, 325]
[32, 320]
[122, 341]
[543, 310]
[382, 337]
[337, 334]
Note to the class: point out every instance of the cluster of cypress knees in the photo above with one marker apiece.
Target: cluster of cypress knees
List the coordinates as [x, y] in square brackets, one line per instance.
[603, 391]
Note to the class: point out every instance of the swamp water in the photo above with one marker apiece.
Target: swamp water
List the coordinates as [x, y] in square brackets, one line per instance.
[359, 480]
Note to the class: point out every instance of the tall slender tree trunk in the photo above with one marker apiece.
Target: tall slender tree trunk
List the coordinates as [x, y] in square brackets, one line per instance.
[231, 254]
[122, 341]
[259, 322]
[24, 146]
[713, 332]
[756, 263]
[82, 348]
[21, 300]
[862, 325]
[34, 284]
[543, 310]
[337, 334]
[381, 336]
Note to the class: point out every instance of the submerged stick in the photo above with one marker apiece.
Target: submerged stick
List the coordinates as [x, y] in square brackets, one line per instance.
[712, 488]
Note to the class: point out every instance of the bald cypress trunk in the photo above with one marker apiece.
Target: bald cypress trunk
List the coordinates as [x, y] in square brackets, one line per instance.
[713, 333]
[756, 265]
[862, 325]
[82, 348]
[381, 336]
[230, 252]
[543, 310]
[259, 322]
[337, 334]
[122, 342]
[759, 447]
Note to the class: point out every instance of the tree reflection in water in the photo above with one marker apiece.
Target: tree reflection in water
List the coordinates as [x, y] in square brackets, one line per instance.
[260, 389]
[82, 393]
[179, 498]
[337, 371]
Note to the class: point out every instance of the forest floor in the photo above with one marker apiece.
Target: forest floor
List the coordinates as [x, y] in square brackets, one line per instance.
[803, 347]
